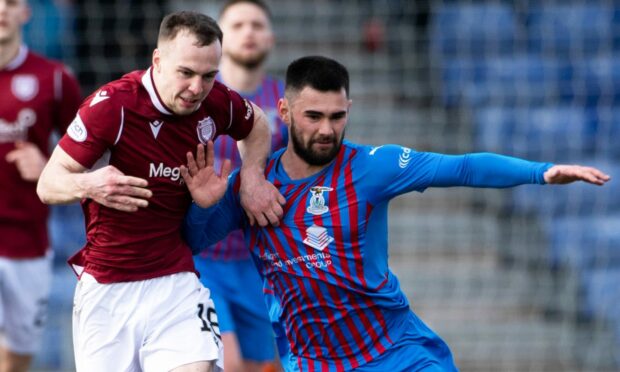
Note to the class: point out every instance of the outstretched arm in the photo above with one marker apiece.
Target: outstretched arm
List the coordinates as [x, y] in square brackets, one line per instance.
[493, 170]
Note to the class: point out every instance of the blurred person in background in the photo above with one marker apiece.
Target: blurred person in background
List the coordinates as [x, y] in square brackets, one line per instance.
[227, 268]
[335, 301]
[139, 305]
[38, 96]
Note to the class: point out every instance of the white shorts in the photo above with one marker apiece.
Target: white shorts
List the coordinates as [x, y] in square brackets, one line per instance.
[151, 325]
[24, 291]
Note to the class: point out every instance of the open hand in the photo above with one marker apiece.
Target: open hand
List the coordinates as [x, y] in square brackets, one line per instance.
[563, 174]
[205, 185]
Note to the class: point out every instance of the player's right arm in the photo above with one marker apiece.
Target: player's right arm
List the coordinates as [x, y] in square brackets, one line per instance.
[94, 131]
[64, 180]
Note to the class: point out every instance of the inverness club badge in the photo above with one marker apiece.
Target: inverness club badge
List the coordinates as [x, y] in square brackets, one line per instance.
[205, 130]
[317, 201]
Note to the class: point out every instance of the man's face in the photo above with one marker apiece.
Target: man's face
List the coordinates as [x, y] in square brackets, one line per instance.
[13, 15]
[317, 123]
[248, 38]
[185, 72]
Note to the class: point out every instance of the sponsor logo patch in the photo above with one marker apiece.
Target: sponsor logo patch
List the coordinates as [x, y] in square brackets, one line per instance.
[404, 158]
[77, 130]
[317, 238]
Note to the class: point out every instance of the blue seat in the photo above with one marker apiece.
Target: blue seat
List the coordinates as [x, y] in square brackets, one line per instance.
[542, 133]
[584, 243]
[608, 132]
[570, 29]
[602, 298]
[597, 79]
[66, 230]
[507, 80]
[472, 29]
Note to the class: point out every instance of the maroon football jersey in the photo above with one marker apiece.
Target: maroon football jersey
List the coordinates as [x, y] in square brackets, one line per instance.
[125, 124]
[37, 95]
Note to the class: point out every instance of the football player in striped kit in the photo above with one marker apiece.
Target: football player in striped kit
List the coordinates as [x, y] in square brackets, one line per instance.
[325, 271]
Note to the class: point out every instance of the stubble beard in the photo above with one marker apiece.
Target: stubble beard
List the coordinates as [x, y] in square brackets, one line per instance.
[310, 156]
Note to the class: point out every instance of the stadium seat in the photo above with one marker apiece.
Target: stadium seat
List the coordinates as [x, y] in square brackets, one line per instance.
[584, 243]
[597, 79]
[541, 133]
[608, 132]
[516, 80]
[602, 298]
[472, 29]
[570, 29]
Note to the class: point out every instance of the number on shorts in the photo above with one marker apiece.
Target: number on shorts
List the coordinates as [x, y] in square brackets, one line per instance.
[208, 318]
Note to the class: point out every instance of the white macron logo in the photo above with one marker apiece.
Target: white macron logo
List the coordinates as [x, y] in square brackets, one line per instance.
[101, 95]
[163, 171]
[156, 126]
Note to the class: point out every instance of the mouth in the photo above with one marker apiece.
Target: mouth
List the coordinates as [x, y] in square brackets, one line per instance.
[189, 102]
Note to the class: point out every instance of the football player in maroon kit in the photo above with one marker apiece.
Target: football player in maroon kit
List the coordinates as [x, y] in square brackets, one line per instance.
[139, 305]
[37, 96]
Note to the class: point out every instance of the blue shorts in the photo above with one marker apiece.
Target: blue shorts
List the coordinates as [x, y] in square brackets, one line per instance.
[236, 290]
[418, 349]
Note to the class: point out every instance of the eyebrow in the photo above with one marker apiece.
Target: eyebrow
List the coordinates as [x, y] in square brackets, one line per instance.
[212, 72]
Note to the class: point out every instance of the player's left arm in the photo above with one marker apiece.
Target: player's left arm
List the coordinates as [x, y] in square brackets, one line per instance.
[260, 199]
[499, 171]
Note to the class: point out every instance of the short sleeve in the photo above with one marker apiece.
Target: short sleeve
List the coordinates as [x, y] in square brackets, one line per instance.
[94, 129]
[242, 116]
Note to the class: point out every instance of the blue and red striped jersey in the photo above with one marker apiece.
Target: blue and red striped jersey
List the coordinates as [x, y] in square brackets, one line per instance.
[325, 267]
[266, 97]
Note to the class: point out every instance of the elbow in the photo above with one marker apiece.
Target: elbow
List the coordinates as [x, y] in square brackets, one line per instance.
[42, 192]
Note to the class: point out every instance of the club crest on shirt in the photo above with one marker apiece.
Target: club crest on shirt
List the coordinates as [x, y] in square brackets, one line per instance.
[317, 237]
[205, 130]
[317, 201]
[25, 86]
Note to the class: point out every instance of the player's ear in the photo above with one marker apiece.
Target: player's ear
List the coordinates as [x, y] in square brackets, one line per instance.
[156, 59]
[284, 110]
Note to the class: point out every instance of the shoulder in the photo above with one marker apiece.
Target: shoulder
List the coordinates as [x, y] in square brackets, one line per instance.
[115, 94]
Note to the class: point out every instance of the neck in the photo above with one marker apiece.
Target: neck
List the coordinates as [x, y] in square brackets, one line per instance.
[296, 168]
[240, 78]
[8, 51]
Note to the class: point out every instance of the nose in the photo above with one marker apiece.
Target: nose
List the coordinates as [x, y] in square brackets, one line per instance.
[196, 86]
[325, 127]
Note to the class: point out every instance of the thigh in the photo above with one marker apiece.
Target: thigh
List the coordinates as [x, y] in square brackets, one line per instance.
[182, 327]
[107, 327]
[25, 293]
[419, 349]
